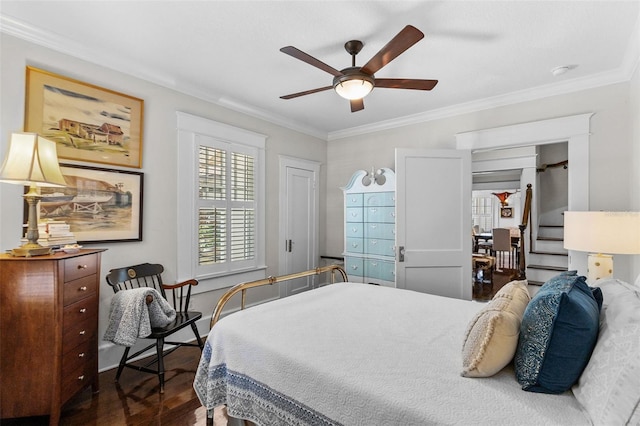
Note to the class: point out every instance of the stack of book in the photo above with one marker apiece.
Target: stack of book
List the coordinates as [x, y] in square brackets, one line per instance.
[54, 234]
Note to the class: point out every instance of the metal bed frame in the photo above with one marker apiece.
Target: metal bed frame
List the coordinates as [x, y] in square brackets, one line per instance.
[243, 287]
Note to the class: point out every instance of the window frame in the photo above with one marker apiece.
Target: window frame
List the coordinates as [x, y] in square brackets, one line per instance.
[194, 131]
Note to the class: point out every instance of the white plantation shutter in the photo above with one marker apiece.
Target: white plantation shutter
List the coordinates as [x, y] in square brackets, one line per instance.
[226, 206]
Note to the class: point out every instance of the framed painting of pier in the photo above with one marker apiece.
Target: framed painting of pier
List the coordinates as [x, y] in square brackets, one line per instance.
[88, 123]
[98, 205]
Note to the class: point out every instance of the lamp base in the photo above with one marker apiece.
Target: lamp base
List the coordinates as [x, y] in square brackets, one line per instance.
[599, 266]
[29, 250]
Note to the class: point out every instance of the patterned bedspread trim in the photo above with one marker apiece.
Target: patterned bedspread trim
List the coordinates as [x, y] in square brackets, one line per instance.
[249, 399]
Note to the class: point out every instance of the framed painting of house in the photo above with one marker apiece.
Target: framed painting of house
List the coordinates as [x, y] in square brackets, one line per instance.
[98, 205]
[87, 122]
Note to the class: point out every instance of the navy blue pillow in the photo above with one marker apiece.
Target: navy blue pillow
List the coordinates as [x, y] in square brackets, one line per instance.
[558, 332]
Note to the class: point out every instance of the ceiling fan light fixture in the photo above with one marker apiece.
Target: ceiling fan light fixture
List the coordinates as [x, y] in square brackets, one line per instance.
[353, 86]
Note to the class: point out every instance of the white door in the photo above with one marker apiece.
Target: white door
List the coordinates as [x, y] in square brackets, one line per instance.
[298, 222]
[433, 221]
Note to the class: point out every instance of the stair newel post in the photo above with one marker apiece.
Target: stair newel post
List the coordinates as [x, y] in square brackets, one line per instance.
[522, 274]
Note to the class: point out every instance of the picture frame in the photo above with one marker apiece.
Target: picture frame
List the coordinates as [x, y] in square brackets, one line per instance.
[506, 212]
[88, 123]
[99, 205]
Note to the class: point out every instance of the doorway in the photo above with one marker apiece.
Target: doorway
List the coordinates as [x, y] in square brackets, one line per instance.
[298, 233]
[574, 130]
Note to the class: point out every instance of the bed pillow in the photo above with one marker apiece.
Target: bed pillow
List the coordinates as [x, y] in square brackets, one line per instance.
[492, 335]
[558, 332]
[609, 387]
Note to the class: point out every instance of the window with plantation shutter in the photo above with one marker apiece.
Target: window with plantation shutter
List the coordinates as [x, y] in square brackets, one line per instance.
[225, 179]
[226, 205]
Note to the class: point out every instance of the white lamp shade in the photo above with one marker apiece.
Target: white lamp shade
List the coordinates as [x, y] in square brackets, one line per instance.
[33, 161]
[602, 232]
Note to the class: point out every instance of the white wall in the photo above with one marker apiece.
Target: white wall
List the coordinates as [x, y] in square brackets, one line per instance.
[611, 162]
[159, 167]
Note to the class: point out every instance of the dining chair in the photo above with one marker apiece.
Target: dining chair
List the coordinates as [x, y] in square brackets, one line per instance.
[501, 247]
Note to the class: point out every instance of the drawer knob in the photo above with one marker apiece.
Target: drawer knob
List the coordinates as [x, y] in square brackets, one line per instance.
[82, 333]
[83, 288]
[81, 377]
[82, 266]
[81, 355]
[83, 310]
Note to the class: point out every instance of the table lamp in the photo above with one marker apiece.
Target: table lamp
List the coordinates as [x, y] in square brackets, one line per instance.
[602, 234]
[32, 160]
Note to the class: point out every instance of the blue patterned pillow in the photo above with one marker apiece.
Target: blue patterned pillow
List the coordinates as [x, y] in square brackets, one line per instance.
[558, 333]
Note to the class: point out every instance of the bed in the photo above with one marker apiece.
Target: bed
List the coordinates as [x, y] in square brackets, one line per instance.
[359, 354]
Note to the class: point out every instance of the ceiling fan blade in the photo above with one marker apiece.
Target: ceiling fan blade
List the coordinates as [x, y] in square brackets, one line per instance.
[406, 38]
[357, 104]
[305, 57]
[306, 92]
[405, 83]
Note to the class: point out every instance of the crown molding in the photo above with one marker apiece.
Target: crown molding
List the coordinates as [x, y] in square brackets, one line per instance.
[623, 73]
[29, 33]
[534, 93]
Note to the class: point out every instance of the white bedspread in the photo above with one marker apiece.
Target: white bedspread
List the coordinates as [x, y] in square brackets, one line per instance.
[357, 354]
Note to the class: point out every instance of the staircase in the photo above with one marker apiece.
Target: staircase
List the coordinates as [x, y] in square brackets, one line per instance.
[547, 257]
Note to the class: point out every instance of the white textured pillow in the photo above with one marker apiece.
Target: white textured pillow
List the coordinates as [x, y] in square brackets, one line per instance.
[609, 387]
[492, 335]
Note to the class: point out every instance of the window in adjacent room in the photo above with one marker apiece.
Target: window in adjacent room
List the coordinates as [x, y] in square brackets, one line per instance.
[482, 210]
[221, 174]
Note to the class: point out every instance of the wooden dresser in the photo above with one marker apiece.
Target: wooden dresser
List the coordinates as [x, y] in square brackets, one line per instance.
[48, 331]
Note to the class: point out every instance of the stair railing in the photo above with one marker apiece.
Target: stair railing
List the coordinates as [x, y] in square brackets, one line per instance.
[526, 215]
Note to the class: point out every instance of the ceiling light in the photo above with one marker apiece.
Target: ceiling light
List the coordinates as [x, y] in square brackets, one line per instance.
[353, 84]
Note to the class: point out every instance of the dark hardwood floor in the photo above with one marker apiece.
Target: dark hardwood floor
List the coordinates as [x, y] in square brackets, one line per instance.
[486, 289]
[135, 400]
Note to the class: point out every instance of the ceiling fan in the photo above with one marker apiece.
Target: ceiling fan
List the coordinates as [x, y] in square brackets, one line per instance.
[354, 83]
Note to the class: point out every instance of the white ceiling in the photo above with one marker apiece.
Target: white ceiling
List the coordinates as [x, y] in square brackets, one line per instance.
[484, 53]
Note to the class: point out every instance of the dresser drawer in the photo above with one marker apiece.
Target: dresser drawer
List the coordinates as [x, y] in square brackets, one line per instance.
[380, 214]
[353, 200]
[387, 198]
[354, 229]
[80, 266]
[77, 378]
[81, 310]
[76, 334]
[78, 355]
[380, 247]
[380, 269]
[354, 245]
[354, 214]
[353, 266]
[386, 231]
[79, 289]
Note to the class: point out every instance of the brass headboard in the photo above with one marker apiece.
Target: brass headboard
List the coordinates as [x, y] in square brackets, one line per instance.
[243, 287]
